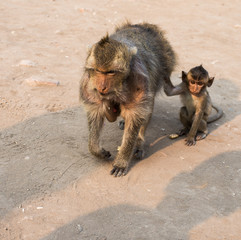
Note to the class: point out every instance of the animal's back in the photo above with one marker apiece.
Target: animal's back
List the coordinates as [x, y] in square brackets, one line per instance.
[153, 49]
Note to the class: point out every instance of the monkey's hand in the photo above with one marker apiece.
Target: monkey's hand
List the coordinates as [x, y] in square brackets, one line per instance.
[120, 168]
[167, 89]
[190, 141]
[102, 153]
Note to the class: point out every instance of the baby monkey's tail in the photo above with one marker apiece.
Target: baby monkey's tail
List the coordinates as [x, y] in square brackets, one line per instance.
[219, 114]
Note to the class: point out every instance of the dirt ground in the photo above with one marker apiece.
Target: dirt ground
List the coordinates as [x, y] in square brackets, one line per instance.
[52, 188]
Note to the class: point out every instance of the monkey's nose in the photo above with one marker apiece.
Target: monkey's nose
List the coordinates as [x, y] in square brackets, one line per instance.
[103, 91]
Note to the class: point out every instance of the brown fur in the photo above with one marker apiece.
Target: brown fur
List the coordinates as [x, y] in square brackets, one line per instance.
[122, 74]
[194, 115]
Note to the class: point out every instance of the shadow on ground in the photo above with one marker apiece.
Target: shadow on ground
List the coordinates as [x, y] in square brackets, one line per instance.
[211, 189]
[47, 153]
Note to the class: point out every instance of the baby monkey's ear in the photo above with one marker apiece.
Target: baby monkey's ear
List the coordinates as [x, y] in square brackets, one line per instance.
[210, 81]
[184, 76]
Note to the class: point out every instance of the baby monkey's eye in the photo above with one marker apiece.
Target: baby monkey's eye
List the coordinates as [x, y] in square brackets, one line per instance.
[200, 83]
[192, 82]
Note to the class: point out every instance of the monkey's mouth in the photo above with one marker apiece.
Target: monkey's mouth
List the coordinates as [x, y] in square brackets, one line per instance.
[103, 95]
[195, 93]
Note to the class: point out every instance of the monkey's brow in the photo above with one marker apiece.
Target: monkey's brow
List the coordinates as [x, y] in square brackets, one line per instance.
[109, 71]
[194, 79]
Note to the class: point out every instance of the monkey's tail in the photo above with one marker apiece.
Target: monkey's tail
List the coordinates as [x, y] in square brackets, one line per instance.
[218, 115]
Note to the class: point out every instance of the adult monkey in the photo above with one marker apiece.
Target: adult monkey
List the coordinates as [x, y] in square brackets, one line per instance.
[194, 115]
[122, 74]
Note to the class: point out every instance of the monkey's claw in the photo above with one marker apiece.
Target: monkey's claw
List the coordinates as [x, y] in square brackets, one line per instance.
[105, 154]
[190, 142]
[201, 136]
[182, 131]
[139, 154]
[118, 172]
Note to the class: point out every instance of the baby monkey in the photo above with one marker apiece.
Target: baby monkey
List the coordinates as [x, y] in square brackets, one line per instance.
[197, 108]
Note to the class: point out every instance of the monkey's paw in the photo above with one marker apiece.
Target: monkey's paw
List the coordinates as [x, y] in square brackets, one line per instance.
[182, 131]
[201, 136]
[119, 169]
[118, 172]
[190, 141]
[101, 154]
[139, 154]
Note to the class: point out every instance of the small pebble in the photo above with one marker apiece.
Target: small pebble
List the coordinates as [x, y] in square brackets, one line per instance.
[79, 228]
[214, 62]
[237, 26]
[27, 63]
[37, 81]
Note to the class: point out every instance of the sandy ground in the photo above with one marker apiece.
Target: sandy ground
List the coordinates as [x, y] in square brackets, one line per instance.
[52, 188]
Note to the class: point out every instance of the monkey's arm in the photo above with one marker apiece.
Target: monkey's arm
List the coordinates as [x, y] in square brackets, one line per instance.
[190, 140]
[95, 118]
[170, 90]
[121, 162]
[95, 123]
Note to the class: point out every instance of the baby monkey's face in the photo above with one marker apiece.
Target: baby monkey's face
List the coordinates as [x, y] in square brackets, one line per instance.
[194, 86]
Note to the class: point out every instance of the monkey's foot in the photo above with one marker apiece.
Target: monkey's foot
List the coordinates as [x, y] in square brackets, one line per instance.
[183, 131]
[201, 136]
[101, 154]
[121, 124]
[139, 154]
[190, 141]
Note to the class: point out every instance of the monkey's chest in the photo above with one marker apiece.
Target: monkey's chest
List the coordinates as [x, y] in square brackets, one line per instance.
[112, 110]
[190, 103]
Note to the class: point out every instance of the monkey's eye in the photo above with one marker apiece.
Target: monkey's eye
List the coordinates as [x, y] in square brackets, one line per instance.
[200, 83]
[192, 82]
[112, 72]
[90, 69]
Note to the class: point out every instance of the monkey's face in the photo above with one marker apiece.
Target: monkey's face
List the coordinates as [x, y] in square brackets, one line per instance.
[107, 82]
[197, 79]
[194, 86]
[108, 65]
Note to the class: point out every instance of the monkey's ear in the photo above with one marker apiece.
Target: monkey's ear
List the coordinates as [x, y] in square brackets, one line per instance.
[133, 50]
[210, 81]
[184, 76]
[90, 61]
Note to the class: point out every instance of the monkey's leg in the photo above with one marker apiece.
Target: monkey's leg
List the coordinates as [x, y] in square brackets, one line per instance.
[191, 137]
[95, 123]
[121, 162]
[185, 121]
[202, 130]
[139, 152]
